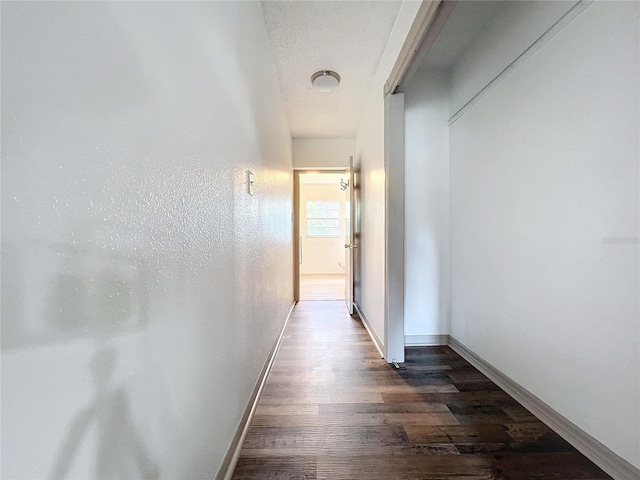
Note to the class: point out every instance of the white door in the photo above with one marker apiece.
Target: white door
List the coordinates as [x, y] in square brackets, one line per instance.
[349, 244]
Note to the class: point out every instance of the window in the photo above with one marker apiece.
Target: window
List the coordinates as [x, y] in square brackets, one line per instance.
[323, 219]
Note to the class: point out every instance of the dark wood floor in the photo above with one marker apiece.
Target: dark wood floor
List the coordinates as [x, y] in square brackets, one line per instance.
[332, 409]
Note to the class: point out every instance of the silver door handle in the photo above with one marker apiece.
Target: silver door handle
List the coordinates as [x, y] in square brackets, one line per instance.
[350, 245]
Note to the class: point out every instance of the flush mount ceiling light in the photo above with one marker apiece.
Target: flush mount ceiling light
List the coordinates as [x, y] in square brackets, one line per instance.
[325, 80]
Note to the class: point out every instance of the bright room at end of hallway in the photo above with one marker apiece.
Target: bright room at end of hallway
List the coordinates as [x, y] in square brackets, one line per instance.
[322, 286]
[321, 230]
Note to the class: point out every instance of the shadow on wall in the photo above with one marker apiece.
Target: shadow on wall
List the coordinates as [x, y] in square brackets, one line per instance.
[61, 293]
[89, 294]
[121, 453]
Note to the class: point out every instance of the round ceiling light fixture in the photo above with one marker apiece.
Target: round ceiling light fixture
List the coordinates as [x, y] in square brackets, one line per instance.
[325, 80]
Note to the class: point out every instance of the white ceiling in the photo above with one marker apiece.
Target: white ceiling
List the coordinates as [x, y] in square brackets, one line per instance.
[348, 37]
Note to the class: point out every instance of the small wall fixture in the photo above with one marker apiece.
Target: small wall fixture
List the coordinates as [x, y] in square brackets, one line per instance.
[250, 182]
[325, 80]
[344, 185]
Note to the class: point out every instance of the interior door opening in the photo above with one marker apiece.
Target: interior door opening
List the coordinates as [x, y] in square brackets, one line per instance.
[321, 213]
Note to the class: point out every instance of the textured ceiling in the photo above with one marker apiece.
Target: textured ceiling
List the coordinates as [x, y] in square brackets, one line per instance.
[345, 36]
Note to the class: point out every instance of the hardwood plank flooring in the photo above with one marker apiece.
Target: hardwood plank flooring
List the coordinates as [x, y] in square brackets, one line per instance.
[321, 287]
[333, 409]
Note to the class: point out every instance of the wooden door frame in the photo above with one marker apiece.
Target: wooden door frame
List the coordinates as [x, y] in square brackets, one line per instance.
[296, 222]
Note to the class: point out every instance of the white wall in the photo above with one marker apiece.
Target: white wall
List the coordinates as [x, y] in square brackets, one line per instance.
[322, 152]
[369, 163]
[426, 235]
[544, 223]
[321, 255]
[487, 55]
[142, 287]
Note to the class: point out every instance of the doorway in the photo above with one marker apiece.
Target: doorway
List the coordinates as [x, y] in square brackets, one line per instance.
[320, 216]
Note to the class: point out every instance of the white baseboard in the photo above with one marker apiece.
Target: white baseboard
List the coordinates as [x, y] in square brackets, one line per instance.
[591, 448]
[425, 340]
[374, 338]
[233, 452]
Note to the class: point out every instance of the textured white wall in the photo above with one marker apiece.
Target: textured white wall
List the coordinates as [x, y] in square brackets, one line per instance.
[321, 255]
[369, 162]
[142, 287]
[544, 224]
[426, 235]
[322, 152]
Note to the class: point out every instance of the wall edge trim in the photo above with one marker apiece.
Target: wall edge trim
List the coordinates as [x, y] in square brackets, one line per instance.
[593, 449]
[230, 459]
[425, 340]
[562, 22]
[367, 325]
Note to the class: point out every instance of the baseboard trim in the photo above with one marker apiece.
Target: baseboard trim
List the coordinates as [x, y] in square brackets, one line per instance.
[425, 340]
[374, 338]
[233, 452]
[594, 450]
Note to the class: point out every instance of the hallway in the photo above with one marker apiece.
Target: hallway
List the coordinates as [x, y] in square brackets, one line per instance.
[487, 161]
[333, 409]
